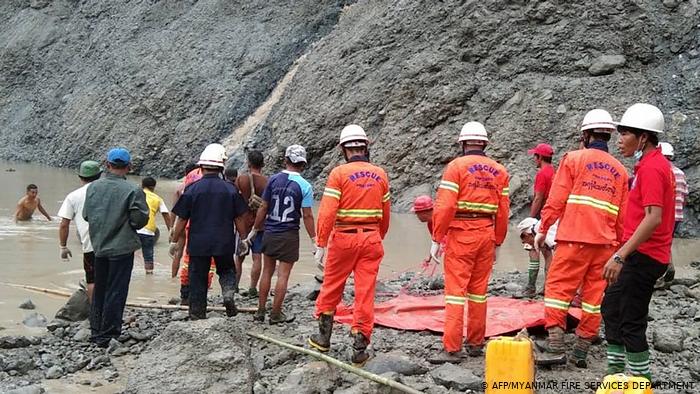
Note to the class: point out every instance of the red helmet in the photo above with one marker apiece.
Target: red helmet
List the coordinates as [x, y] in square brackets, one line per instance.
[422, 203]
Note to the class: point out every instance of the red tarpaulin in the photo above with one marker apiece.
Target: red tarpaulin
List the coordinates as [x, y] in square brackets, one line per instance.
[407, 312]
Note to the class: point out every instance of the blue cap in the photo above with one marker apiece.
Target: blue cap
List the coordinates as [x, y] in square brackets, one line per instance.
[119, 156]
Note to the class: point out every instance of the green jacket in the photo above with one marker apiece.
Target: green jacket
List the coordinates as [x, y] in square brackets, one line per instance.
[115, 209]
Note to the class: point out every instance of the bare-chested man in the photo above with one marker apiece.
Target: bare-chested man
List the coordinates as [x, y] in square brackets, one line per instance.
[30, 203]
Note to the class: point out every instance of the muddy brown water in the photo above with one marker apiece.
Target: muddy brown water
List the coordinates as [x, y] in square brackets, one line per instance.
[29, 251]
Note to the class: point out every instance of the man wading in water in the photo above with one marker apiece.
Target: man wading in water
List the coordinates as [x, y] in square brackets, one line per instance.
[28, 204]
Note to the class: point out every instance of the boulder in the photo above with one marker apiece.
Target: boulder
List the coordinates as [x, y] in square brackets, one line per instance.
[55, 372]
[77, 307]
[606, 64]
[14, 341]
[312, 378]
[35, 320]
[394, 362]
[456, 378]
[669, 339]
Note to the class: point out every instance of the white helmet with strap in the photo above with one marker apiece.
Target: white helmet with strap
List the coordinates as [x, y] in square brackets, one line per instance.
[598, 120]
[353, 136]
[473, 131]
[213, 155]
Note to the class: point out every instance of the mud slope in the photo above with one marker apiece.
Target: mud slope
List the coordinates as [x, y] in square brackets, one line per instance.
[163, 78]
[412, 72]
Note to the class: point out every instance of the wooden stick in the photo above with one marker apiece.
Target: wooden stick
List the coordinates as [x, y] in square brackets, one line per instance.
[130, 304]
[340, 364]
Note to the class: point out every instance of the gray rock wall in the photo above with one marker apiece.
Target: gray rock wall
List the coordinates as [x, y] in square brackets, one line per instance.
[412, 72]
[163, 78]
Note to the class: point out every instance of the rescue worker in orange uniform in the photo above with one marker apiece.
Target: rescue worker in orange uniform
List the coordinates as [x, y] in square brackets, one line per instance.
[352, 221]
[471, 209]
[588, 197]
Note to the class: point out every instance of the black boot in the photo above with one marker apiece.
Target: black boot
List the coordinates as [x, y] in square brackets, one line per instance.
[322, 340]
[184, 294]
[359, 355]
[197, 312]
[230, 303]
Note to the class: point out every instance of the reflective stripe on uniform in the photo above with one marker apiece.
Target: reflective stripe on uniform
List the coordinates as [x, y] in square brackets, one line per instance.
[588, 308]
[359, 213]
[330, 192]
[595, 203]
[451, 186]
[505, 191]
[478, 298]
[455, 300]
[477, 206]
[386, 197]
[556, 304]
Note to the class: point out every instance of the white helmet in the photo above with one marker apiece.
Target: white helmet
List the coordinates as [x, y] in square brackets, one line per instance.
[353, 136]
[643, 117]
[527, 225]
[214, 155]
[598, 119]
[666, 149]
[473, 131]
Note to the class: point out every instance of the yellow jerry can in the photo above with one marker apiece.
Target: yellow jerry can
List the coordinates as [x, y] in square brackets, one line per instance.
[623, 384]
[510, 365]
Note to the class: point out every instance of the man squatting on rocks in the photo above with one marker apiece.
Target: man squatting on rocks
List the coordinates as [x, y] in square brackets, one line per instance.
[588, 197]
[471, 209]
[251, 186]
[72, 210]
[352, 221]
[287, 199]
[646, 250]
[115, 209]
[212, 206]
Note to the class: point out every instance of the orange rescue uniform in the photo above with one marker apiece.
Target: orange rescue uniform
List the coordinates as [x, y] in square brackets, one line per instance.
[352, 222]
[588, 197]
[471, 209]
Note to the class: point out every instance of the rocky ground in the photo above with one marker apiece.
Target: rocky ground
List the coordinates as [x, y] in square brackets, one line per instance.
[161, 351]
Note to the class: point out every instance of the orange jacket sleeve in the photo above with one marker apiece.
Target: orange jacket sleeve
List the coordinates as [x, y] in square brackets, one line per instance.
[558, 195]
[501, 227]
[386, 209]
[329, 208]
[445, 202]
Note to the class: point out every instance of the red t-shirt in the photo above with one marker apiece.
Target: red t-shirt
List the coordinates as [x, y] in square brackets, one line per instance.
[653, 185]
[543, 179]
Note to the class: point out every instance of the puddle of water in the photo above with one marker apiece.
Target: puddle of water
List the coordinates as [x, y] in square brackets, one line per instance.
[29, 252]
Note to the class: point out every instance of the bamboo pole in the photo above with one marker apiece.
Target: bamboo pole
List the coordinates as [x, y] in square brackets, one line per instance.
[357, 371]
[129, 303]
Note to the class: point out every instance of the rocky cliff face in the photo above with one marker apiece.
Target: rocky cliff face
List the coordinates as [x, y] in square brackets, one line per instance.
[412, 72]
[163, 78]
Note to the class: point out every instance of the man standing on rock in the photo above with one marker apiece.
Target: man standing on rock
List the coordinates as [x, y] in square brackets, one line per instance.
[648, 234]
[72, 210]
[251, 186]
[472, 204]
[588, 197]
[543, 183]
[354, 215]
[211, 205]
[287, 199]
[114, 209]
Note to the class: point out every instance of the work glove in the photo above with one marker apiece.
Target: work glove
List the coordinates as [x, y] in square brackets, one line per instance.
[173, 249]
[318, 256]
[434, 250]
[65, 253]
[539, 241]
[251, 235]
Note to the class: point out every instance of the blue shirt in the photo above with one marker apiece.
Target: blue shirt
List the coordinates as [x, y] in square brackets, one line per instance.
[286, 194]
[210, 204]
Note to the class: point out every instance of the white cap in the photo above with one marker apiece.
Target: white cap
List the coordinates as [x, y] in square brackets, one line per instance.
[295, 154]
[527, 225]
[666, 148]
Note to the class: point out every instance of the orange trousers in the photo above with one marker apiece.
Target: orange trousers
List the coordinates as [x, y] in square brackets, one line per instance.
[468, 263]
[359, 253]
[185, 269]
[576, 264]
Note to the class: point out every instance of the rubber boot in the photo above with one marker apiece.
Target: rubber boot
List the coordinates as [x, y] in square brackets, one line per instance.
[581, 348]
[553, 350]
[639, 364]
[259, 315]
[359, 347]
[230, 303]
[197, 312]
[184, 294]
[475, 350]
[616, 359]
[322, 340]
